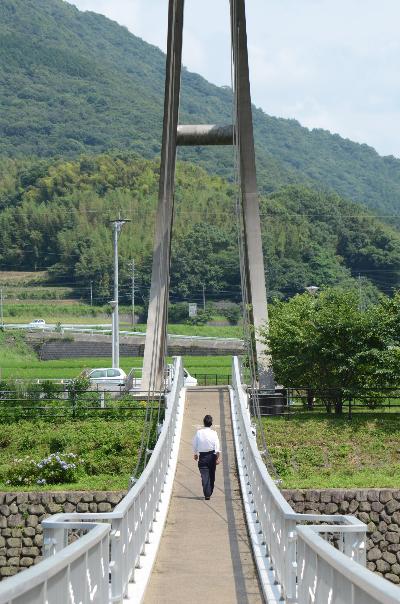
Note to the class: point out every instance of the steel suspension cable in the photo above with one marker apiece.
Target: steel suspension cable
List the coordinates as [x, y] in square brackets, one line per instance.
[248, 330]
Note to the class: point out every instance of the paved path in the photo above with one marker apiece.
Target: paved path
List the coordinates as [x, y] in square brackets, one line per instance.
[204, 555]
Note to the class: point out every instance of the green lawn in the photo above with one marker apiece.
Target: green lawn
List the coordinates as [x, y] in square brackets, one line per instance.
[109, 450]
[32, 368]
[181, 329]
[18, 361]
[314, 450]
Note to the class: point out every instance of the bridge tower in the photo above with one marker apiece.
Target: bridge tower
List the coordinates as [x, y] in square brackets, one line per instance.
[240, 134]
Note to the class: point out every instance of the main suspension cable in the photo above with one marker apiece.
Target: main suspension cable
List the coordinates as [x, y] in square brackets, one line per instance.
[248, 329]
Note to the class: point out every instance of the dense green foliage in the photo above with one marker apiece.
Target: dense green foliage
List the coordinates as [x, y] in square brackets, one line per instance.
[73, 82]
[332, 346]
[108, 449]
[55, 215]
[313, 450]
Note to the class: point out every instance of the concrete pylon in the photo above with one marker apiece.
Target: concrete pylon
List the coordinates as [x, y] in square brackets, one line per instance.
[241, 134]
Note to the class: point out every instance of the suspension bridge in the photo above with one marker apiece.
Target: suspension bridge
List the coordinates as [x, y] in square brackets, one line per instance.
[163, 542]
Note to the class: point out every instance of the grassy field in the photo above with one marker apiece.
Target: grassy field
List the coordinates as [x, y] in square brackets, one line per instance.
[33, 368]
[108, 448]
[314, 450]
[18, 361]
[53, 309]
[214, 331]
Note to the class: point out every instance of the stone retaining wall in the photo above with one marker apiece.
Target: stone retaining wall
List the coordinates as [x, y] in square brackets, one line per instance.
[52, 345]
[21, 536]
[378, 508]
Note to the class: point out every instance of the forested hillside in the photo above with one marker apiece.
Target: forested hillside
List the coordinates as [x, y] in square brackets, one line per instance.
[55, 215]
[73, 83]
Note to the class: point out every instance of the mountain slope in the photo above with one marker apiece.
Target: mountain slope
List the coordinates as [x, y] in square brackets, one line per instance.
[55, 215]
[73, 82]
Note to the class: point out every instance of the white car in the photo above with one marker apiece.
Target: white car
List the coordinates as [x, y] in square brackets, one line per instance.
[188, 380]
[107, 375]
[37, 324]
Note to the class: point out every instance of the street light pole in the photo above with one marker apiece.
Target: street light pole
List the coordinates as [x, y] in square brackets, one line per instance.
[117, 226]
[1, 308]
[113, 331]
[133, 291]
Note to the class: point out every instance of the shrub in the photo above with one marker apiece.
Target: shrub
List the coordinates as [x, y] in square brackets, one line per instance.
[22, 472]
[178, 313]
[232, 313]
[57, 468]
[57, 443]
[51, 390]
[78, 385]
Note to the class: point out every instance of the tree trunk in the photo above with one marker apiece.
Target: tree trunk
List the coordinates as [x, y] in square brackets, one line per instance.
[339, 406]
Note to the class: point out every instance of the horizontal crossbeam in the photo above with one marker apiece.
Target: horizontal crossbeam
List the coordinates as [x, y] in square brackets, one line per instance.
[204, 134]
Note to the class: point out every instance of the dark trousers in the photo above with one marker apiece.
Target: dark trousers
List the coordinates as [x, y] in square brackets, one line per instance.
[207, 464]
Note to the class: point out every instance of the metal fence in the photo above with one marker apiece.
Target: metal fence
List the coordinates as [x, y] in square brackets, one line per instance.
[103, 578]
[287, 555]
[67, 404]
[365, 399]
[213, 379]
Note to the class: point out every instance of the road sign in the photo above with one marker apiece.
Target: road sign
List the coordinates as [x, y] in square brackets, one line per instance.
[193, 310]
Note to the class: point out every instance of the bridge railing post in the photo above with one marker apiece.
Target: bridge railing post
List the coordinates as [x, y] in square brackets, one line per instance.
[116, 563]
[290, 561]
[54, 540]
[354, 543]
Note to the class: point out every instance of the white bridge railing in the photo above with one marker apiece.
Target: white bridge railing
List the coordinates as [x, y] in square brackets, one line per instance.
[101, 566]
[297, 563]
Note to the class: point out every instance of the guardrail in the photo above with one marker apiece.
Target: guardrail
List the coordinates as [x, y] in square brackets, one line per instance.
[322, 574]
[78, 573]
[132, 523]
[286, 568]
[106, 330]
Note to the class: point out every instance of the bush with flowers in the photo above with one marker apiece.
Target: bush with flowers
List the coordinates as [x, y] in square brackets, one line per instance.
[57, 468]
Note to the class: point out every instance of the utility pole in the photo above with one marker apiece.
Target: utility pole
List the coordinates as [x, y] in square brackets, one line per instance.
[204, 297]
[1, 308]
[133, 291]
[113, 331]
[91, 293]
[360, 294]
[117, 227]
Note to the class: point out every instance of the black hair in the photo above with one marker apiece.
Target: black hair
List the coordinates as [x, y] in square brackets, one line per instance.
[207, 421]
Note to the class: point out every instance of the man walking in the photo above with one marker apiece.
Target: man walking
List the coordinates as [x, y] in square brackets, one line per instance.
[206, 451]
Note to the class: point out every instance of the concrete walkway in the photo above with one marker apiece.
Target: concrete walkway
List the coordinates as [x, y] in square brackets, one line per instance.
[204, 555]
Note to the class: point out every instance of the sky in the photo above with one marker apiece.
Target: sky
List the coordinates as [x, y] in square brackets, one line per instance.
[332, 64]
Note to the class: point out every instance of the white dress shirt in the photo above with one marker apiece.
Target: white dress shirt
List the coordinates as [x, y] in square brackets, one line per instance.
[205, 440]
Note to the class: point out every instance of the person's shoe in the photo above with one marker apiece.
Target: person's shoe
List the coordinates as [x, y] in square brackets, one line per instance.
[206, 498]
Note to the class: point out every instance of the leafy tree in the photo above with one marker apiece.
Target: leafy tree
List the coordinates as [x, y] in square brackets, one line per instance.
[327, 344]
[205, 256]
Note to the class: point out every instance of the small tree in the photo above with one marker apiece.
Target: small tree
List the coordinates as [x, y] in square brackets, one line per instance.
[328, 345]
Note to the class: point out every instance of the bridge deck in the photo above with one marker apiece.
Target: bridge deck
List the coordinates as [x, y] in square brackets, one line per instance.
[205, 555]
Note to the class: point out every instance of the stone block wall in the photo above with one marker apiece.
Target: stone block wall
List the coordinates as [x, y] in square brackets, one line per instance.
[378, 508]
[21, 535]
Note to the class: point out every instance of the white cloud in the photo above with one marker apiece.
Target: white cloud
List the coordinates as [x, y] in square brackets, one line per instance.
[328, 64]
